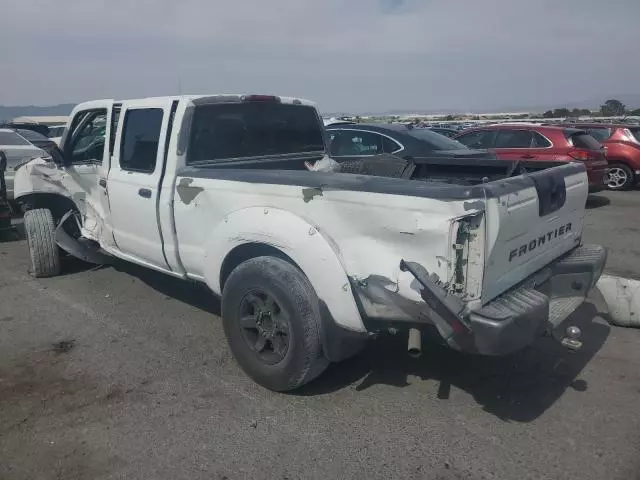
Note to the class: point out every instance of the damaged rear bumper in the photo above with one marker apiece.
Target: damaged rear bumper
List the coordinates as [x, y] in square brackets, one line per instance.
[508, 323]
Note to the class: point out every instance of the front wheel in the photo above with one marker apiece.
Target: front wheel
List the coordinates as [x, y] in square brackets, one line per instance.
[271, 317]
[43, 251]
[620, 177]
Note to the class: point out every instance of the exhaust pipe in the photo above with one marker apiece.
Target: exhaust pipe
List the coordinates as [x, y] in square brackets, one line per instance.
[414, 346]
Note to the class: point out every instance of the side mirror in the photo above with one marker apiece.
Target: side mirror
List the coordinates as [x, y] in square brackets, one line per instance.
[57, 156]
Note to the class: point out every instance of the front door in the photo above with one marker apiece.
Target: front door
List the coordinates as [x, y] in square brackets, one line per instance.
[134, 177]
[86, 159]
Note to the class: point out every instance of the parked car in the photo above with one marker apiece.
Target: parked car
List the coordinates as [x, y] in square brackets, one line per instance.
[5, 207]
[356, 140]
[37, 139]
[55, 133]
[18, 149]
[534, 142]
[216, 189]
[623, 151]
[447, 132]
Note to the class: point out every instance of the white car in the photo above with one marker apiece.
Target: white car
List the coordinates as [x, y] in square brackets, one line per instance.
[18, 150]
[309, 263]
[55, 133]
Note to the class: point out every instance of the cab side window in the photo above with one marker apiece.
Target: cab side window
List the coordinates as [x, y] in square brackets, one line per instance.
[87, 137]
[140, 139]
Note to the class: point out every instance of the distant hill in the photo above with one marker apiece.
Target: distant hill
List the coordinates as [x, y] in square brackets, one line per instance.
[8, 113]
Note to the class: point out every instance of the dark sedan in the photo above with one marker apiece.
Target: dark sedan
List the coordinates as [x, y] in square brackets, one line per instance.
[358, 140]
[447, 132]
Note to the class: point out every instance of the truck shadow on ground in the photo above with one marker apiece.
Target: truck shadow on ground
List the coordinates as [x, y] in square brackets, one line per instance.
[519, 388]
[597, 201]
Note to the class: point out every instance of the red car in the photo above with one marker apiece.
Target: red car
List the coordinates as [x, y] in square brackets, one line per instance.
[623, 151]
[540, 142]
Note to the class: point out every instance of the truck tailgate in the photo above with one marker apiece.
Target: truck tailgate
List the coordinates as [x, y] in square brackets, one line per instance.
[531, 221]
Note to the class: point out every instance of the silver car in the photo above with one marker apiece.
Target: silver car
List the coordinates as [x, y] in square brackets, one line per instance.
[17, 149]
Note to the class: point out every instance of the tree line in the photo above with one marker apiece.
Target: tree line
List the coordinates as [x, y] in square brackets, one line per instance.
[610, 108]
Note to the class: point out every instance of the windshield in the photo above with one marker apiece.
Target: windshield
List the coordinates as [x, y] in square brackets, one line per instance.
[635, 131]
[32, 136]
[583, 140]
[240, 130]
[436, 140]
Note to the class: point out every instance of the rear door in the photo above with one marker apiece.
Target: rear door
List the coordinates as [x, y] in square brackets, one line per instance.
[515, 144]
[137, 166]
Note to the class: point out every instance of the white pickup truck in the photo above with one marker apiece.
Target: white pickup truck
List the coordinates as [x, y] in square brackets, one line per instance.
[217, 189]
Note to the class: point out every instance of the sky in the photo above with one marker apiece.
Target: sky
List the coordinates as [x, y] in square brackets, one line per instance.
[346, 55]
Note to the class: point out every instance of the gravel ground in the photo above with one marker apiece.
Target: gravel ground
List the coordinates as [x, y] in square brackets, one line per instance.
[123, 373]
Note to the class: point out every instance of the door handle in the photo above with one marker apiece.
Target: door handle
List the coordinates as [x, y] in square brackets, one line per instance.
[144, 193]
[102, 182]
[528, 156]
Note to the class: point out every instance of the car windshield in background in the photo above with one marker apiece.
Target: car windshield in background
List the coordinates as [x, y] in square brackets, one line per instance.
[635, 131]
[583, 140]
[600, 134]
[34, 137]
[435, 140]
[12, 139]
[55, 132]
[240, 130]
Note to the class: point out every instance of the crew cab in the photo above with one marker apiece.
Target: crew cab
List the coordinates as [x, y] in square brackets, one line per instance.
[310, 261]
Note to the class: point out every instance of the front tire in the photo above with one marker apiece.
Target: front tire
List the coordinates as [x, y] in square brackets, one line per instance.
[620, 177]
[43, 252]
[271, 317]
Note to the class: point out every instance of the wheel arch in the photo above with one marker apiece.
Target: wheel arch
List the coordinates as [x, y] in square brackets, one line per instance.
[258, 231]
[58, 204]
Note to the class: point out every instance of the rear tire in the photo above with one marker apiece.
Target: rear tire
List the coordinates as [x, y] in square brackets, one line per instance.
[271, 317]
[43, 252]
[620, 177]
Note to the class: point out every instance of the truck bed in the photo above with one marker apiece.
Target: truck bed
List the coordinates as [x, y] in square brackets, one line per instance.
[443, 170]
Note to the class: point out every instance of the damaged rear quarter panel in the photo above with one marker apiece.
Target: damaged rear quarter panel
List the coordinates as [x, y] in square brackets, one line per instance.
[352, 234]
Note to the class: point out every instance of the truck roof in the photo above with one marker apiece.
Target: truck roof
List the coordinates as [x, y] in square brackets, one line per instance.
[222, 98]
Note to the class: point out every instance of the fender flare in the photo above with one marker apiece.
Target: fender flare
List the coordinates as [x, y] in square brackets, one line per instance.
[313, 252]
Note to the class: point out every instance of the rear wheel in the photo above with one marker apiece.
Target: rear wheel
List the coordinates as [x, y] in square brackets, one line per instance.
[271, 318]
[43, 252]
[620, 177]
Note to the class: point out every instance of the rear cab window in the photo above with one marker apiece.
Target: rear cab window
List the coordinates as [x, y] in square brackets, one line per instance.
[225, 131]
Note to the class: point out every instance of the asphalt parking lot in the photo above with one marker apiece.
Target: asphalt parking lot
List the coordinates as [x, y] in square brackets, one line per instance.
[118, 372]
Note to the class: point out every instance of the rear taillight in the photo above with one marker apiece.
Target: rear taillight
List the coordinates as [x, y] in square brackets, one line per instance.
[582, 155]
